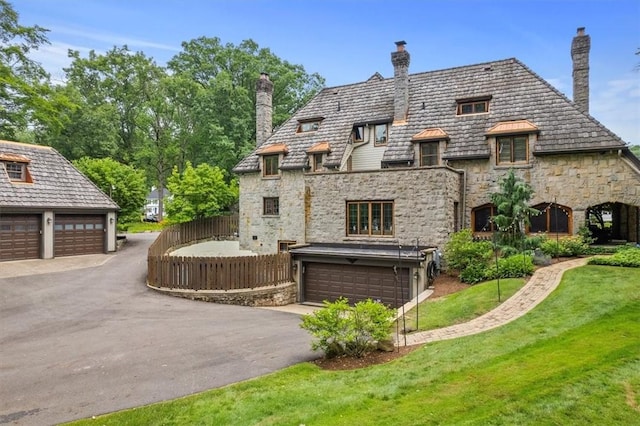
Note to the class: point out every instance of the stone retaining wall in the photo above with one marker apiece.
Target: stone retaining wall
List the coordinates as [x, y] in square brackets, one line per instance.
[280, 295]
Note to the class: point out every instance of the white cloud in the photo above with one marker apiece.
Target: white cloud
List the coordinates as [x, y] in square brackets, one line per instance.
[617, 106]
[112, 39]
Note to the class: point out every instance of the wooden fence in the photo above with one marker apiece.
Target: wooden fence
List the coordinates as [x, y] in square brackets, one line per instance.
[211, 273]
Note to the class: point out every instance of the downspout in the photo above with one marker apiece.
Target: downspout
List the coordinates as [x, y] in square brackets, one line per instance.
[463, 194]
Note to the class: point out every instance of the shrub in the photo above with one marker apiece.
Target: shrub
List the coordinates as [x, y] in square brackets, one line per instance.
[461, 251]
[515, 266]
[628, 257]
[565, 246]
[341, 329]
[473, 273]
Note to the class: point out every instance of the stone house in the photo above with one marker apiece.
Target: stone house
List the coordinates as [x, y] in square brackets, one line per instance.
[48, 208]
[363, 181]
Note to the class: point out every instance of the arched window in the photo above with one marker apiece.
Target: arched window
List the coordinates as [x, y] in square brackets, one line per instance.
[481, 218]
[554, 218]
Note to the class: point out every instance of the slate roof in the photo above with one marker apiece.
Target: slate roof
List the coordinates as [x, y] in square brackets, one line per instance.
[516, 93]
[56, 183]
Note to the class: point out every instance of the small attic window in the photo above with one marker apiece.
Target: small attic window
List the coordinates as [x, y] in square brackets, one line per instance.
[473, 106]
[16, 167]
[308, 125]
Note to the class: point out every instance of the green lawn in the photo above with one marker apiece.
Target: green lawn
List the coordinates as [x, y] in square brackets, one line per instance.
[462, 306]
[574, 359]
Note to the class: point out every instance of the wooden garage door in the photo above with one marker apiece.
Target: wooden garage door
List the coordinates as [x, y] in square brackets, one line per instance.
[19, 237]
[326, 281]
[78, 234]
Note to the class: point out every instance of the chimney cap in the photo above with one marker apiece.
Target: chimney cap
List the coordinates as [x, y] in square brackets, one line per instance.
[400, 45]
[264, 76]
[580, 31]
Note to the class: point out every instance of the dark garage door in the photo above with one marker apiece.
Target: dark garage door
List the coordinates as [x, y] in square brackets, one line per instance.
[327, 281]
[78, 234]
[19, 237]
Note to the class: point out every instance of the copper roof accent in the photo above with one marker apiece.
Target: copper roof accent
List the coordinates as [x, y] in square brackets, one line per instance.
[276, 148]
[320, 147]
[510, 127]
[434, 133]
[16, 158]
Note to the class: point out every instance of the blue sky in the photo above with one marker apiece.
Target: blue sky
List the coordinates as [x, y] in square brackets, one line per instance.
[347, 41]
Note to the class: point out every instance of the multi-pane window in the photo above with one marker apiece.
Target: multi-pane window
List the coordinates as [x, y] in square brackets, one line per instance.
[473, 107]
[481, 218]
[370, 218]
[271, 206]
[16, 171]
[429, 154]
[552, 218]
[511, 149]
[381, 134]
[308, 126]
[270, 165]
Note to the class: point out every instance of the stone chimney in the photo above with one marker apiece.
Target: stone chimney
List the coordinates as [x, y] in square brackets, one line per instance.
[400, 60]
[264, 109]
[580, 55]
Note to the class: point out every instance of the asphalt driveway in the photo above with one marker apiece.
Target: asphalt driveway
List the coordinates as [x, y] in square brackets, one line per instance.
[87, 341]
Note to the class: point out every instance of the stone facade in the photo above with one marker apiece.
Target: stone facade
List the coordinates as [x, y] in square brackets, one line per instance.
[574, 181]
[260, 233]
[313, 206]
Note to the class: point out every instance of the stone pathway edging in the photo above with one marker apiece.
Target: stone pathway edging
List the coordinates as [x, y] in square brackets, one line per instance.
[540, 285]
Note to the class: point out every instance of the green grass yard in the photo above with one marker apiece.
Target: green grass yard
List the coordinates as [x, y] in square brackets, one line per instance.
[574, 359]
[462, 306]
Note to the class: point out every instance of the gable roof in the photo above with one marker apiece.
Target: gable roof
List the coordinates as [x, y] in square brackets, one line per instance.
[515, 93]
[56, 183]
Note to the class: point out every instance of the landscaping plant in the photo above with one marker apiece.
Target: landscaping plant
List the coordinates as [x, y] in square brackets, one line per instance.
[341, 329]
[629, 257]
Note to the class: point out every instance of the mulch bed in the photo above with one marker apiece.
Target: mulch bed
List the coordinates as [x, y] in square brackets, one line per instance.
[443, 285]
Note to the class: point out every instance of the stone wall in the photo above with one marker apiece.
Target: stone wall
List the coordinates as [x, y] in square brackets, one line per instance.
[260, 233]
[577, 181]
[280, 295]
[423, 204]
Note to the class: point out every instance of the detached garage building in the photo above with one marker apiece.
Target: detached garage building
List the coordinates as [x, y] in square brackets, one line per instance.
[48, 208]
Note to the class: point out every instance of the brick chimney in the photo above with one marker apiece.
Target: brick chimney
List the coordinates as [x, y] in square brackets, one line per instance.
[264, 109]
[580, 54]
[400, 60]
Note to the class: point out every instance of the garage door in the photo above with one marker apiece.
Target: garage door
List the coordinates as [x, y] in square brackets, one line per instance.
[19, 237]
[78, 234]
[326, 281]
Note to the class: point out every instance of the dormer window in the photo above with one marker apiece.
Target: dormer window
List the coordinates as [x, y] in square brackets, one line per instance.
[308, 125]
[381, 132]
[512, 141]
[428, 141]
[271, 158]
[473, 106]
[270, 165]
[16, 167]
[316, 155]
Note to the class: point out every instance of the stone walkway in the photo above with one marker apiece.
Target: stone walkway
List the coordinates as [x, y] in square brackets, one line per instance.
[540, 285]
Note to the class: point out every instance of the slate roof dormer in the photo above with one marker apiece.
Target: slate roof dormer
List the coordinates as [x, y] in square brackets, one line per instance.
[56, 184]
[516, 93]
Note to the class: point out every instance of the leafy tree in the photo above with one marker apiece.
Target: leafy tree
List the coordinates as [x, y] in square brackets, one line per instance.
[113, 88]
[27, 99]
[222, 102]
[124, 184]
[635, 149]
[199, 192]
[512, 205]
